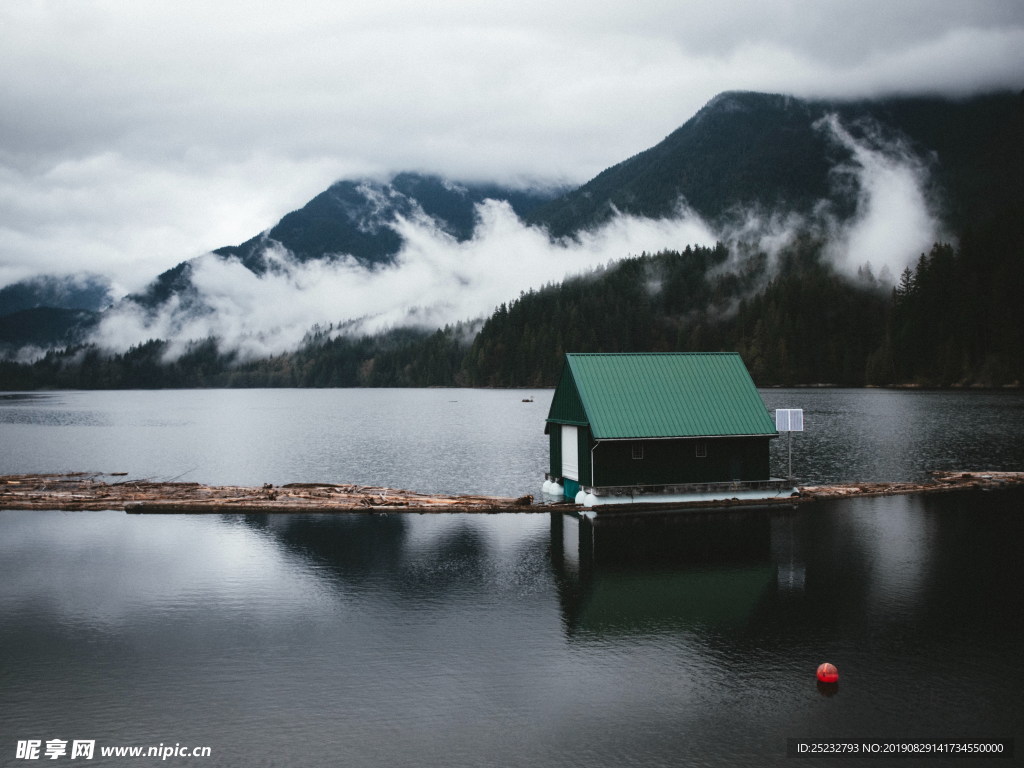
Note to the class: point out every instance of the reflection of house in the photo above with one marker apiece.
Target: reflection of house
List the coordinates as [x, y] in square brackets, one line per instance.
[659, 427]
[633, 575]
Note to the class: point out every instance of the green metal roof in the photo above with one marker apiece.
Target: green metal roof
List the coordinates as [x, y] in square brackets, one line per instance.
[648, 395]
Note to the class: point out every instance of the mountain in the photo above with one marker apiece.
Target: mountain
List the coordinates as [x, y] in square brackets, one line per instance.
[88, 292]
[949, 322]
[741, 152]
[50, 311]
[741, 149]
[357, 218]
[773, 152]
[44, 328]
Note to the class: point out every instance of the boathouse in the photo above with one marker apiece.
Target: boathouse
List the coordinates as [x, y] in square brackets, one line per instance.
[659, 427]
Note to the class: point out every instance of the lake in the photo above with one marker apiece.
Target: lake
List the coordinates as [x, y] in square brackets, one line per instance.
[463, 440]
[501, 640]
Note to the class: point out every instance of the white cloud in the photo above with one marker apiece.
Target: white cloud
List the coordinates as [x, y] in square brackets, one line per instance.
[138, 135]
[435, 280]
[894, 221]
[107, 213]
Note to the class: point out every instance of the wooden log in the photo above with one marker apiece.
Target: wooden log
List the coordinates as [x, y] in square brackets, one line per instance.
[87, 491]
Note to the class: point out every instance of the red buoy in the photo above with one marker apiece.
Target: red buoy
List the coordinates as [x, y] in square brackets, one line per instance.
[828, 673]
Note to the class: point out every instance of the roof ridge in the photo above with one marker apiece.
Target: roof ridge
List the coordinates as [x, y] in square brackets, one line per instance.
[637, 354]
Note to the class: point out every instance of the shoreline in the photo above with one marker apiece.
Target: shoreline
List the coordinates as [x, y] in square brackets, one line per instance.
[85, 491]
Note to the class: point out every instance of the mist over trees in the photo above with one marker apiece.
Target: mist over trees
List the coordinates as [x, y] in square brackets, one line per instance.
[954, 319]
[840, 183]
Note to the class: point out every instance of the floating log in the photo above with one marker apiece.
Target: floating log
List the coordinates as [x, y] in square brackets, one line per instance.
[89, 491]
[940, 481]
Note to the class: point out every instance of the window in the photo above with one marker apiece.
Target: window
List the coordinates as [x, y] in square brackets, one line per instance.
[638, 450]
[702, 449]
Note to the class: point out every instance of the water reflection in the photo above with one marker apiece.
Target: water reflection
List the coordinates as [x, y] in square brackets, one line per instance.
[456, 639]
[350, 548]
[798, 575]
[787, 554]
[659, 572]
[21, 398]
[429, 557]
[282, 635]
[106, 571]
[897, 540]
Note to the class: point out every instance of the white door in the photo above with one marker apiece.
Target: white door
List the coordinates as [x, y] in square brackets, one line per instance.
[570, 453]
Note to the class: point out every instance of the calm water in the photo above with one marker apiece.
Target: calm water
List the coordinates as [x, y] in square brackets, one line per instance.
[463, 441]
[502, 640]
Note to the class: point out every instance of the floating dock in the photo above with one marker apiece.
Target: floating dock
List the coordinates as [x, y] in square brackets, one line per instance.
[99, 491]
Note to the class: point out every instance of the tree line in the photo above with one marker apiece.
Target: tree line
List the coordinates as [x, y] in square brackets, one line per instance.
[954, 318]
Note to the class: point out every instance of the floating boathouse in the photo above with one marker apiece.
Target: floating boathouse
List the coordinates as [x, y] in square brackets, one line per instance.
[659, 427]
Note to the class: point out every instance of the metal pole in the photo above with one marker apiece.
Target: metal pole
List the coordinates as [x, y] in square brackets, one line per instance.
[789, 441]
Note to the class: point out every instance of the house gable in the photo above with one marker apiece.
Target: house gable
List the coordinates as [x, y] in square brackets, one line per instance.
[566, 405]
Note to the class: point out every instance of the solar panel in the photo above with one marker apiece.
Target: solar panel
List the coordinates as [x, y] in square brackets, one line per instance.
[789, 419]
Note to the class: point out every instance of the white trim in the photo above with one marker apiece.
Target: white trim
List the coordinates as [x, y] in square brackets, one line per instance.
[588, 499]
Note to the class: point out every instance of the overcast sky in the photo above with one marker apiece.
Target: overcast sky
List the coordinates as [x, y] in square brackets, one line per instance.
[134, 135]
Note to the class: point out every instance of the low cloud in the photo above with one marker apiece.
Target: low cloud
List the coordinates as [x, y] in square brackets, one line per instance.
[434, 280]
[437, 280]
[895, 220]
[895, 214]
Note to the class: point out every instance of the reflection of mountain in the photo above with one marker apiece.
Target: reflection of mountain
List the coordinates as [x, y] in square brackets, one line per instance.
[415, 558]
[351, 546]
[662, 571]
